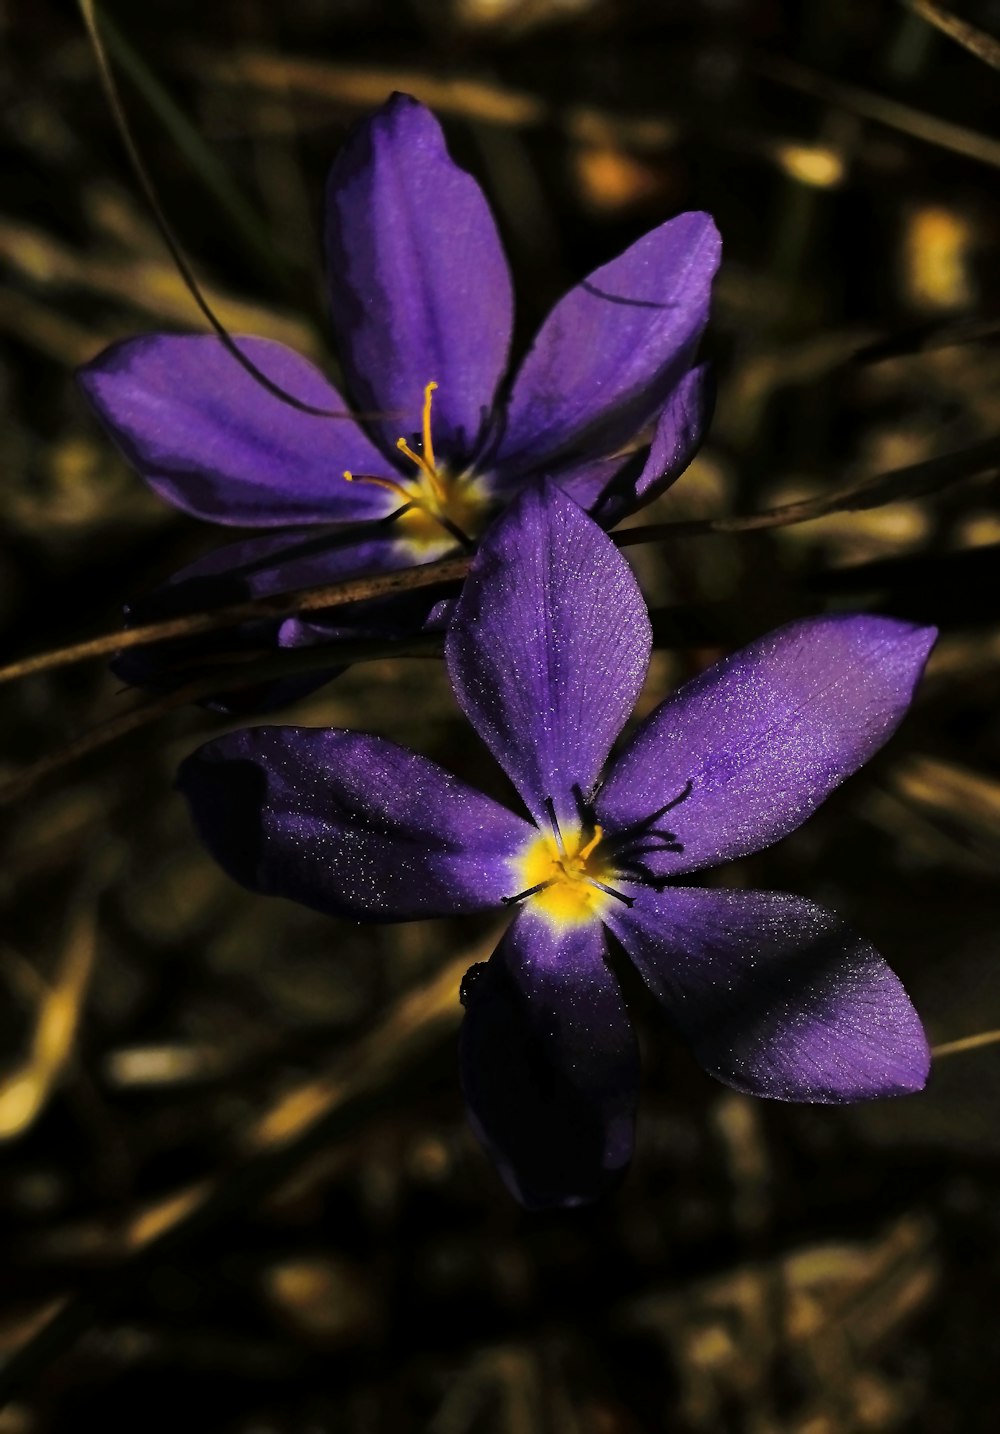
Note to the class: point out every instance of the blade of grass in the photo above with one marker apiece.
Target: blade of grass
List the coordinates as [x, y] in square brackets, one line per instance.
[984, 47]
[213, 174]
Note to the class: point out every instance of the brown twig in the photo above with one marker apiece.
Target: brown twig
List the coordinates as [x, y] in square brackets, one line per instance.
[916, 480]
[310, 599]
[220, 681]
[984, 47]
[869, 105]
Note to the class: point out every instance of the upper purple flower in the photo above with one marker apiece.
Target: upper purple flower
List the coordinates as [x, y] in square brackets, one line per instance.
[547, 651]
[422, 310]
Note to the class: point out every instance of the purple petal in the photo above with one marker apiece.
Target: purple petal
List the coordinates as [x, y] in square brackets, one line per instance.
[548, 648]
[213, 441]
[550, 1068]
[263, 565]
[419, 285]
[611, 488]
[776, 996]
[349, 824]
[612, 350]
[747, 751]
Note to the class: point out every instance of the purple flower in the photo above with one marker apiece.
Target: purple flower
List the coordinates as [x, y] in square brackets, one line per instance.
[422, 311]
[547, 651]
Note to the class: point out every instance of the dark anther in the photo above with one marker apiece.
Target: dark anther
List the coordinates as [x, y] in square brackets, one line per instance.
[675, 802]
[523, 895]
[550, 812]
[585, 805]
[646, 848]
[461, 538]
[610, 891]
[396, 514]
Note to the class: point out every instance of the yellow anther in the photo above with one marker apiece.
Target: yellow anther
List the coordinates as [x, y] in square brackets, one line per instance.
[416, 458]
[428, 442]
[584, 852]
[386, 483]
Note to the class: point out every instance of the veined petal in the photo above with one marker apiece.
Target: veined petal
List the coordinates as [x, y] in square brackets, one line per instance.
[613, 349]
[548, 647]
[747, 751]
[419, 286]
[213, 441]
[349, 824]
[550, 1068]
[776, 996]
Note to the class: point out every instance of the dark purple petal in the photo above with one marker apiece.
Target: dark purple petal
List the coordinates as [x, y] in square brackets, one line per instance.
[611, 488]
[550, 1068]
[349, 824]
[776, 996]
[260, 566]
[613, 349]
[548, 648]
[419, 285]
[747, 751]
[212, 440]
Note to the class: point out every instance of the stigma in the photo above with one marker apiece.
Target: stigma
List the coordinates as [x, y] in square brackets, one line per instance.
[565, 876]
[435, 505]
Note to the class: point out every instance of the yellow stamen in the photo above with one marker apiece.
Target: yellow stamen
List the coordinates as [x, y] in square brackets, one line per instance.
[425, 461]
[386, 483]
[565, 881]
[428, 443]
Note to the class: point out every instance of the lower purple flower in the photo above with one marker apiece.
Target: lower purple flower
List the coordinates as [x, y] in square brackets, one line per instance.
[547, 650]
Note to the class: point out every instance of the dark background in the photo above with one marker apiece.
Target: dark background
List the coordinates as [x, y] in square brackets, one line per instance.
[237, 1192]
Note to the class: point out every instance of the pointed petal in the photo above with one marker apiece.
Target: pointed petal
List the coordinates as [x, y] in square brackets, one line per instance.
[746, 752]
[349, 824]
[612, 488]
[776, 996]
[211, 440]
[613, 349]
[548, 647]
[550, 1067]
[419, 285]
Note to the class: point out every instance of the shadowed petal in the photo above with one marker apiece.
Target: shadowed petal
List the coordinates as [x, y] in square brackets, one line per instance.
[776, 996]
[260, 566]
[747, 751]
[212, 440]
[548, 647]
[349, 824]
[612, 488]
[419, 286]
[550, 1068]
[613, 349]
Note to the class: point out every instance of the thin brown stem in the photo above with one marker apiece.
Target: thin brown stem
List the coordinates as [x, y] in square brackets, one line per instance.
[310, 599]
[985, 47]
[915, 481]
[966, 1043]
[230, 678]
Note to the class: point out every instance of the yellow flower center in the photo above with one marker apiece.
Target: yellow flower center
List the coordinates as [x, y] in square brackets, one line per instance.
[565, 880]
[440, 507]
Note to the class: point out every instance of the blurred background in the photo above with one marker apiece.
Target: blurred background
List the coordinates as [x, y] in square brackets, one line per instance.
[237, 1193]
